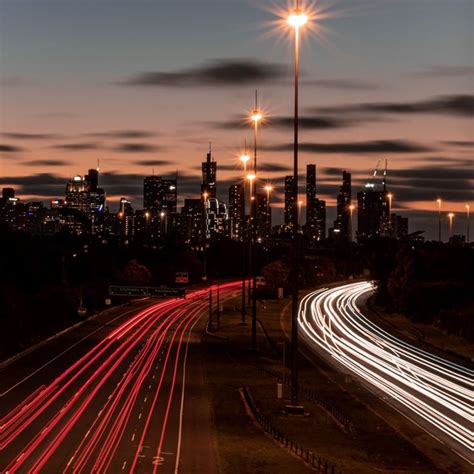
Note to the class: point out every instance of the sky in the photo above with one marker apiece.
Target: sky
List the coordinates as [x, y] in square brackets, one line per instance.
[143, 85]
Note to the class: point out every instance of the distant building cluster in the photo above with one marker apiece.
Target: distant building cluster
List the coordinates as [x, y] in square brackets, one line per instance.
[207, 218]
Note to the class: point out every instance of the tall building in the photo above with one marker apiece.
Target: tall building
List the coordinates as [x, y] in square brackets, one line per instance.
[310, 189]
[215, 218]
[192, 221]
[315, 227]
[372, 212]
[236, 211]
[209, 174]
[151, 192]
[289, 201]
[126, 218]
[263, 217]
[160, 194]
[342, 224]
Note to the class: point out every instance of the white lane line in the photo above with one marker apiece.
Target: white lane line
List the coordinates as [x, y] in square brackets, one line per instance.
[123, 465]
[181, 408]
[64, 352]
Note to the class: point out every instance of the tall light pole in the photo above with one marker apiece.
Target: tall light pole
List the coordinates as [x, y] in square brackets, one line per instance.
[468, 209]
[244, 158]
[205, 194]
[451, 217]
[255, 117]
[390, 197]
[439, 219]
[351, 212]
[269, 189]
[296, 19]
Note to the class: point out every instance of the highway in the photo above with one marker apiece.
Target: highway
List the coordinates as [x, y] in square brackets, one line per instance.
[116, 401]
[435, 393]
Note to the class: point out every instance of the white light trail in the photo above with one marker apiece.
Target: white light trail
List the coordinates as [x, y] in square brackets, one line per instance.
[439, 391]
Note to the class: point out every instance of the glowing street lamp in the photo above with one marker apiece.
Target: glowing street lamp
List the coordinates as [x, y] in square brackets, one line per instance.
[439, 218]
[256, 117]
[268, 188]
[296, 19]
[451, 217]
[300, 206]
[468, 209]
[351, 211]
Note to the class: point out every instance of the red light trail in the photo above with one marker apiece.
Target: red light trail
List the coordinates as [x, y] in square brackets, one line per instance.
[114, 402]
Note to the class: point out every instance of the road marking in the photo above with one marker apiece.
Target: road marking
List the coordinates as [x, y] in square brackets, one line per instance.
[133, 436]
[123, 465]
[181, 408]
[140, 416]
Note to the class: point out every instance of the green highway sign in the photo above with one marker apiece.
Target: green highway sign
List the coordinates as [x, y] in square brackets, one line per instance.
[166, 291]
[145, 291]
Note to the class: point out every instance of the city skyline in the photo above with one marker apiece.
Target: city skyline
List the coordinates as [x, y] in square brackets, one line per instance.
[157, 103]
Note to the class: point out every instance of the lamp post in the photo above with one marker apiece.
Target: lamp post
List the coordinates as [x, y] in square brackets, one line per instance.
[390, 197]
[439, 219]
[268, 189]
[296, 19]
[451, 217]
[256, 118]
[351, 212]
[468, 209]
[244, 158]
[204, 232]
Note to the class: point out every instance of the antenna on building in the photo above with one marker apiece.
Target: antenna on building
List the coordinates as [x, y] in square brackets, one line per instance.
[98, 164]
[153, 171]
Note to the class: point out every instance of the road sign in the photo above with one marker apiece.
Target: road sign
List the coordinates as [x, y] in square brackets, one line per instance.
[145, 291]
[166, 291]
[181, 277]
[128, 290]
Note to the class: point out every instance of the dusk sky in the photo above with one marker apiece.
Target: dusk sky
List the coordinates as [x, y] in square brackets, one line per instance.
[143, 84]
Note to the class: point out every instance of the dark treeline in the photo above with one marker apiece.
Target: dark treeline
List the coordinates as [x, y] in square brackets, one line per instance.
[430, 283]
[43, 279]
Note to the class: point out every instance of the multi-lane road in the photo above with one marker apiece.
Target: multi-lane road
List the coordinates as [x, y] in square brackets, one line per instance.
[113, 399]
[434, 392]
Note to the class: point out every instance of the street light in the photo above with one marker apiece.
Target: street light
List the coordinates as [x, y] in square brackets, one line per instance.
[256, 117]
[300, 206]
[296, 19]
[351, 211]
[268, 188]
[244, 158]
[468, 209]
[390, 197]
[439, 219]
[451, 217]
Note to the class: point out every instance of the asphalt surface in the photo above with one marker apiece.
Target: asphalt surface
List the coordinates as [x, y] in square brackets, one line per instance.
[434, 392]
[122, 393]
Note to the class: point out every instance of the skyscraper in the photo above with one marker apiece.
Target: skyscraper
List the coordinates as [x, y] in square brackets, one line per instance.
[372, 212]
[289, 201]
[342, 224]
[236, 211]
[263, 216]
[209, 173]
[310, 190]
[160, 194]
[315, 227]
[192, 221]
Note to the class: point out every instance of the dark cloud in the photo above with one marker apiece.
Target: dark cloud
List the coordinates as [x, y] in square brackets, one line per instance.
[461, 143]
[30, 136]
[77, 146]
[43, 184]
[136, 148]
[122, 134]
[445, 71]
[264, 167]
[10, 148]
[455, 105]
[377, 146]
[223, 72]
[44, 163]
[154, 162]
[310, 122]
[342, 84]
[305, 121]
